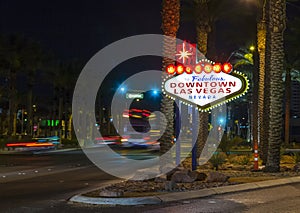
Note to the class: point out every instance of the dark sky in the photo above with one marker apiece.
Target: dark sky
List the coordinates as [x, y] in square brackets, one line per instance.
[79, 28]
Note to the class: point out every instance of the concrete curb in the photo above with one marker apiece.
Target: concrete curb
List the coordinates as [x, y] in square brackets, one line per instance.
[177, 196]
[116, 201]
[32, 152]
[56, 151]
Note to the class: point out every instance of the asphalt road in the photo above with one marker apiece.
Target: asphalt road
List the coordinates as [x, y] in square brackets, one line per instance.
[38, 182]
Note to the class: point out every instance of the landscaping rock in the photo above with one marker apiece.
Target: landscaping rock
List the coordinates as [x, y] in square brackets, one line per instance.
[181, 177]
[107, 193]
[217, 177]
[285, 169]
[170, 185]
[160, 179]
[297, 168]
[201, 176]
[197, 176]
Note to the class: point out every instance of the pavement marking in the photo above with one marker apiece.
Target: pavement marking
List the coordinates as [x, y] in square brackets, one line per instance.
[42, 171]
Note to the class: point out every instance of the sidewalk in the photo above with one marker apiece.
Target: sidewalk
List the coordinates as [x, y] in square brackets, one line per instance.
[176, 196]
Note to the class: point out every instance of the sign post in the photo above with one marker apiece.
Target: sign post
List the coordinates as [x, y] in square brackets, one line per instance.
[202, 84]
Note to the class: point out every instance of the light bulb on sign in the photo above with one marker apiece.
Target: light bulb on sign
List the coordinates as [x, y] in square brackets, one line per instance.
[171, 69]
[227, 68]
[180, 69]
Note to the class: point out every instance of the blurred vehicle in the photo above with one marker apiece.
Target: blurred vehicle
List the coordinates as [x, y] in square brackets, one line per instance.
[52, 139]
[32, 145]
[108, 140]
[139, 140]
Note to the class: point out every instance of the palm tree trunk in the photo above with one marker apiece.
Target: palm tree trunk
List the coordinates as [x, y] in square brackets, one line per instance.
[170, 25]
[277, 27]
[261, 43]
[287, 107]
[60, 112]
[265, 93]
[255, 108]
[12, 103]
[29, 126]
[202, 30]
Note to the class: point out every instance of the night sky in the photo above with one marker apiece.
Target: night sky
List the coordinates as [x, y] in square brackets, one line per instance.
[79, 29]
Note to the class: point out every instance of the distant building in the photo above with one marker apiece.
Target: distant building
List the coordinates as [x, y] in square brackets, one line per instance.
[295, 112]
[295, 99]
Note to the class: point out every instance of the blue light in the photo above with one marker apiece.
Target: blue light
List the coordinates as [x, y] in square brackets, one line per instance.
[221, 120]
[155, 92]
[122, 89]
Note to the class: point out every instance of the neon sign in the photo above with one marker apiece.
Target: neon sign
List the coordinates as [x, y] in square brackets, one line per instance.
[205, 84]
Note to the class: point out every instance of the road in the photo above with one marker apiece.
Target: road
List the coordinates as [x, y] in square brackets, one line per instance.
[36, 182]
[43, 183]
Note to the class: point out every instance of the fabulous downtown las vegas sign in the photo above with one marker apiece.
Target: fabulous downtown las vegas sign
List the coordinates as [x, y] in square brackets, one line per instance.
[206, 84]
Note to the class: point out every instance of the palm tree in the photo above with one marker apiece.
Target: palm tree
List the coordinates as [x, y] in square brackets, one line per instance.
[63, 75]
[260, 137]
[170, 25]
[32, 60]
[277, 14]
[11, 60]
[205, 14]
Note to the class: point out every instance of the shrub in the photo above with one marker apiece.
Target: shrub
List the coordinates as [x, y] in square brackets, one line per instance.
[218, 159]
[69, 143]
[226, 145]
[297, 157]
[287, 159]
[241, 159]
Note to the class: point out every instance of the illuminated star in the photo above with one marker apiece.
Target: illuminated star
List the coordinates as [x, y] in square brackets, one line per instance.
[184, 54]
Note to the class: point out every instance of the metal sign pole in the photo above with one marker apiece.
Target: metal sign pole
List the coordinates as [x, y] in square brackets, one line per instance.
[194, 137]
[177, 132]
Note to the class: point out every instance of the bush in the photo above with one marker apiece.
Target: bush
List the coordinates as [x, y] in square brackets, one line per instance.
[297, 157]
[241, 159]
[69, 143]
[218, 159]
[287, 159]
[226, 145]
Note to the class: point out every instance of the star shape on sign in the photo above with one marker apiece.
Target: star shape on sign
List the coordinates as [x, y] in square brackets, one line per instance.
[184, 54]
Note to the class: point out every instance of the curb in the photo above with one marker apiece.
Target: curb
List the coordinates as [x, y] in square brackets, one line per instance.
[116, 201]
[32, 152]
[56, 151]
[177, 196]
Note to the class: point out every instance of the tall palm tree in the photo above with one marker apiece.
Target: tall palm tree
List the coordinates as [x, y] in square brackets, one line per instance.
[170, 24]
[205, 14]
[32, 60]
[203, 28]
[63, 76]
[259, 137]
[277, 14]
[11, 60]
